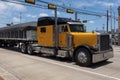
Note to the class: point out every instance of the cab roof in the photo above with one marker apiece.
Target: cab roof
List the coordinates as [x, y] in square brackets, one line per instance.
[43, 21]
[78, 23]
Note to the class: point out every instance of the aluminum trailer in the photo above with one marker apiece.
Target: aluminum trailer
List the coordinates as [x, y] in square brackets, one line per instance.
[18, 34]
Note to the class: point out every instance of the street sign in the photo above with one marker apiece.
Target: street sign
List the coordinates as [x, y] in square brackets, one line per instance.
[70, 11]
[84, 21]
[51, 6]
[30, 1]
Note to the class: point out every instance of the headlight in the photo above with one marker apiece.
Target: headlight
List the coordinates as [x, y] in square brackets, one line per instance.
[96, 47]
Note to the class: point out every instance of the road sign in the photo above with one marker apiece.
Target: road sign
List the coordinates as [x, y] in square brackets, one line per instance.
[51, 6]
[30, 1]
[84, 21]
[70, 11]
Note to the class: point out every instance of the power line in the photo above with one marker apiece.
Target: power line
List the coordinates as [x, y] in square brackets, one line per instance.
[61, 8]
[75, 9]
[22, 3]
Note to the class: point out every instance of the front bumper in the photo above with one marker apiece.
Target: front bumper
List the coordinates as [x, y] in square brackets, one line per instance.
[101, 56]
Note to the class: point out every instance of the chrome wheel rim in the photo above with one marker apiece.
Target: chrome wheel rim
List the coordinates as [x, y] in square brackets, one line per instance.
[82, 57]
[23, 48]
[29, 50]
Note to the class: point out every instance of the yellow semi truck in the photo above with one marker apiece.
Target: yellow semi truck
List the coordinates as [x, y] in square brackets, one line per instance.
[69, 39]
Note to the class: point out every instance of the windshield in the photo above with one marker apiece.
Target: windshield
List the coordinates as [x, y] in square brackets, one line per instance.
[77, 28]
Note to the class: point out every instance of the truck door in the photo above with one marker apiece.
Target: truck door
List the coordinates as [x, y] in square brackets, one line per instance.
[63, 30]
[45, 36]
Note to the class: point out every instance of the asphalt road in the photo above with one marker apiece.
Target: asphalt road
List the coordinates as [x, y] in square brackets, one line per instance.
[17, 66]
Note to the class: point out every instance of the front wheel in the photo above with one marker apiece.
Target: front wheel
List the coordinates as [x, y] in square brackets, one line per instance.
[83, 57]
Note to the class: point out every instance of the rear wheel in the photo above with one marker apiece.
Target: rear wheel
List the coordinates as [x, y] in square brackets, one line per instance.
[29, 49]
[0, 44]
[23, 48]
[83, 57]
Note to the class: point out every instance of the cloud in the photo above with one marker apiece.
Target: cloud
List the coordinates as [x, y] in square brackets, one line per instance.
[2, 6]
[91, 22]
[43, 14]
[103, 3]
[5, 6]
[16, 20]
[84, 4]
[31, 16]
[89, 3]
[8, 10]
[58, 13]
[16, 7]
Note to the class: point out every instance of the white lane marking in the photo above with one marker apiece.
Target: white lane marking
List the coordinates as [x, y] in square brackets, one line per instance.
[90, 72]
[117, 50]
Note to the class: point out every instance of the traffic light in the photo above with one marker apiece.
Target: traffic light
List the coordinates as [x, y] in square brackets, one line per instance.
[70, 11]
[51, 6]
[30, 1]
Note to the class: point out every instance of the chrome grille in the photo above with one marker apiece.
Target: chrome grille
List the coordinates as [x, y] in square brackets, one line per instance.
[104, 42]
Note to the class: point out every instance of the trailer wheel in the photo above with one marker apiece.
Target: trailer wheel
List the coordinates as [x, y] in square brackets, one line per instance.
[83, 57]
[23, 48]
[29, 49]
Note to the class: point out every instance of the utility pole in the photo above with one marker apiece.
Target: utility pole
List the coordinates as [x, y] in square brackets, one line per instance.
[54, 7]
[107, 22]
[111, 17]
[119, 25]
[76, 15]
[114, 23]
[103, 27]
[56, 29]
[20, 17]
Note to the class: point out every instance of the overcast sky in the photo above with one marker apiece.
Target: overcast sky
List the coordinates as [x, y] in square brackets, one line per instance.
[10, 12]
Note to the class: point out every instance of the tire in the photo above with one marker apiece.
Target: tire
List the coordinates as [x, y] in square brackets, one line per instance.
[0, 44]
[4, 45]
[23, 48]
[83, 57]
[29, 49]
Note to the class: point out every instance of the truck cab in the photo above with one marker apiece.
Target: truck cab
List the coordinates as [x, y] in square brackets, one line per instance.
[73, 41]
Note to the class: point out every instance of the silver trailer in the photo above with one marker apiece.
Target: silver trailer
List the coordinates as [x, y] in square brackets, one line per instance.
[18, 34]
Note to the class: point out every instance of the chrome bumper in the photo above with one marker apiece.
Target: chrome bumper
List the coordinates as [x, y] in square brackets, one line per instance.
[101, 56]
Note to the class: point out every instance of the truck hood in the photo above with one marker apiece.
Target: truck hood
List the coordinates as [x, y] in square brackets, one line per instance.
[82, 38]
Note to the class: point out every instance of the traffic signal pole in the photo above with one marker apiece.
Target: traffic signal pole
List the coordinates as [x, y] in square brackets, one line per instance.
[119, 25]
[76, 16]
[56, 30]
[107, 21]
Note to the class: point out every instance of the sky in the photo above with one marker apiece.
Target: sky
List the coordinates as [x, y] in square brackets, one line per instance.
[10, 12]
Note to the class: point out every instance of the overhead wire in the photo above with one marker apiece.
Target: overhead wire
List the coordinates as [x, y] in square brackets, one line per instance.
[77, 10]
[22, 3]
[60, 7]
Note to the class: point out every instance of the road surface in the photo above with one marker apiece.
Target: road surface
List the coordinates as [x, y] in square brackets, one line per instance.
[17, 66]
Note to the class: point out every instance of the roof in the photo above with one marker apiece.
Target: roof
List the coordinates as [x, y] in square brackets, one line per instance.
[22, 26]
[51, 21]
[33, 23]
[79, 23]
